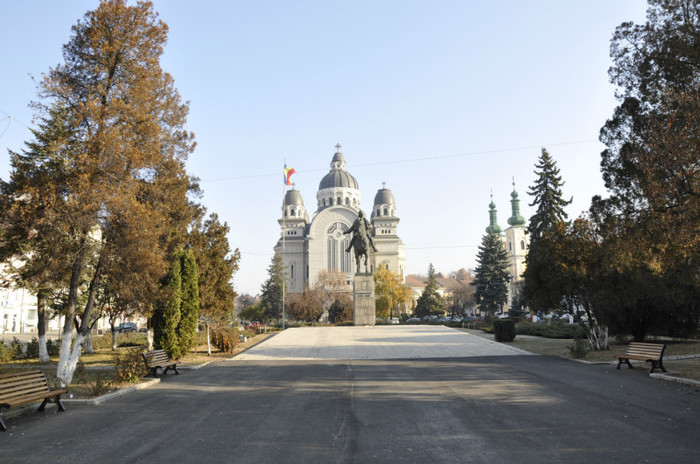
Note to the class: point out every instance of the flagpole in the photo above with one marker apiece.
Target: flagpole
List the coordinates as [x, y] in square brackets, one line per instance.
[284, 215]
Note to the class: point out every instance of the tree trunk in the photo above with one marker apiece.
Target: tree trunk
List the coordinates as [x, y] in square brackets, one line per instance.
[149, 337]
[208, 342]
[41, 314]
[88, 343]
[114, 337]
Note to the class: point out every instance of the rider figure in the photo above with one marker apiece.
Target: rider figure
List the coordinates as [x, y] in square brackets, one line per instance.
[361, 228]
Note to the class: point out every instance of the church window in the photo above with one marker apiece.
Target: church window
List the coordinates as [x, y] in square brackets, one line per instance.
[293, 213]
[347, 202]
[339, 201]
[386, 212]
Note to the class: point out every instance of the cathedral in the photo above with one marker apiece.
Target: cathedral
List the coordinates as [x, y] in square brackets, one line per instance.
[516, 241]
[309, 247]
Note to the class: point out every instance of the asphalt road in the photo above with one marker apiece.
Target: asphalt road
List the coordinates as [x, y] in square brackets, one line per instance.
[490, 409]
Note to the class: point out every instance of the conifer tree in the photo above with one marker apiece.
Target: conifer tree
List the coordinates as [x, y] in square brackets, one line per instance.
[271, 298]
[549, 202]
[430, 301]
[492, 274]
[166, 317]
[189, 307]
[547, 196]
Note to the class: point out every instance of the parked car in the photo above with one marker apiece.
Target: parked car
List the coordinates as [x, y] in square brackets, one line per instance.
[393, 320]
[413, 320]
[126, 327]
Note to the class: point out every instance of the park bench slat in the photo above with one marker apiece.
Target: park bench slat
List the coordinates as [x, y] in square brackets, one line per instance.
[648, 352]
[27, 387]
[159, 359]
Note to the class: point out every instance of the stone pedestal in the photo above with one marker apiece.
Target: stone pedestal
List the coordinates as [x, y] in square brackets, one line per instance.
[363, 298]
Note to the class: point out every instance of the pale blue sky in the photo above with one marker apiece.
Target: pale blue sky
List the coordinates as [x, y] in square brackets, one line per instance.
[443, 100]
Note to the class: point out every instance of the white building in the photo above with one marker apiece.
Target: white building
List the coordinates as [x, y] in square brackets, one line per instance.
[516, 240]
[311, 246]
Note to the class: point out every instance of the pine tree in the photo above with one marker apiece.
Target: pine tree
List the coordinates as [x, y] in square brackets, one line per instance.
[547, 197]
[189, 307]
[167, 315]
[430, 301]
[271, 298]
[491, 275]
[550, 205]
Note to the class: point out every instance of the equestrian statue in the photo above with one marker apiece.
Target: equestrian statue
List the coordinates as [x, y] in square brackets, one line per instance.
[361, 241]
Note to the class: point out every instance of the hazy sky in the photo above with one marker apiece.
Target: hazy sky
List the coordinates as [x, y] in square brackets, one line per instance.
[445, 101]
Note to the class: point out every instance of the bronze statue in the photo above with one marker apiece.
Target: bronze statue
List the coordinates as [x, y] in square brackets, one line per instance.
[361, 241]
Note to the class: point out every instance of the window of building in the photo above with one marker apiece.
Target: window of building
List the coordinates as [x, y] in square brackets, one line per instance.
[522, 244]
[291, 271]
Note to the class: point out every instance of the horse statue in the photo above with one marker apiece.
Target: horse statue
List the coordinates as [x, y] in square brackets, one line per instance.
[361, 241]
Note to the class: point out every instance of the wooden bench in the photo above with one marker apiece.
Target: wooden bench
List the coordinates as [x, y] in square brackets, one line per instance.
[649, 352]
[27, 387]
[158, 359]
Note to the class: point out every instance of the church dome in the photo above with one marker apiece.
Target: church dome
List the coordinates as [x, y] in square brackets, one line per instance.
[293, 197]
[338, 178]
[384, 197]
[338, 187]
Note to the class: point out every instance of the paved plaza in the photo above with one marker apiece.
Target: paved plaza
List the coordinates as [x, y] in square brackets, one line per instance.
[386, 394]
[377, 342]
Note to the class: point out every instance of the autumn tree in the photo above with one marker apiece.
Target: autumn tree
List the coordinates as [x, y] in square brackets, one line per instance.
[329, 286]
[492, 275]
[430, 301]
[304, 306]
[341, 310]
[391, 293]
[112, 172]
[650, 168]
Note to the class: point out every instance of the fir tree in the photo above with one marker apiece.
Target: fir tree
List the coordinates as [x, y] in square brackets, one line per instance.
[271, 298]
[189, 307]
[430, 301]
[549, 203]
[547, 197]
[491, 274]
[167, 315]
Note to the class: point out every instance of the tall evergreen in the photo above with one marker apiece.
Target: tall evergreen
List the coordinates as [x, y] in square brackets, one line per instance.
[492, 274]
[271, 298]
[189, 307]
[167, 315]
[547, 196]
[430, 301]
[550, 204]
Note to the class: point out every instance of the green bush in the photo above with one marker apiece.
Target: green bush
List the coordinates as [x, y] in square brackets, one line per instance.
[504, 330]
[31, 351]
[550, 330]
[129, 365]
[53, 347]
[5, 352]
[580, 349]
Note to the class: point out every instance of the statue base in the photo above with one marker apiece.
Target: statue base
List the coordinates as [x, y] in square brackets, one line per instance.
[364, 312]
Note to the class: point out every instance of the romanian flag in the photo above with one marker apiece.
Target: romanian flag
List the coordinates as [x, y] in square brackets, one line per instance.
[287, 174]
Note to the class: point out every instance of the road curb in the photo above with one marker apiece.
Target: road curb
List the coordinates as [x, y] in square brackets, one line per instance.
[101, 399]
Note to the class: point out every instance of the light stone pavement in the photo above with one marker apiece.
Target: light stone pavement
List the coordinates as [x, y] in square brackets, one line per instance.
[378, 342]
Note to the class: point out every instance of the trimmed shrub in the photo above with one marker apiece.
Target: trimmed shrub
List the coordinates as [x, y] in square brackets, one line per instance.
[129, 365]
[504, 330]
